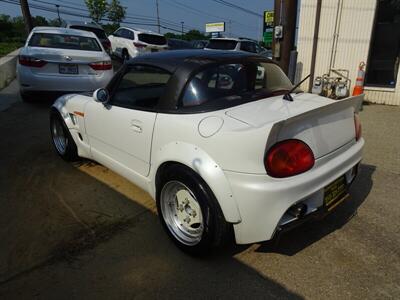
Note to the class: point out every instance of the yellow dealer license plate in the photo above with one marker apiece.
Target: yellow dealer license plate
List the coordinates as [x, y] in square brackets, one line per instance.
[335, 193]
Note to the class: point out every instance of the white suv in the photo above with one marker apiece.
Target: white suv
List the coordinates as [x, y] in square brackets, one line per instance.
[127, 42]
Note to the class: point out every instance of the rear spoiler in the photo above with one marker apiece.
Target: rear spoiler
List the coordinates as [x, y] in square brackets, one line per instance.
[355, 102]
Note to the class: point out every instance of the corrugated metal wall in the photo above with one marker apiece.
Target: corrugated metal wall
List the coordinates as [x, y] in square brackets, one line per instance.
[354, 21]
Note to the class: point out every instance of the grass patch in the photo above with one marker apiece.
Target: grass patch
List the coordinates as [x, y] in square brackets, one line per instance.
[7, 47]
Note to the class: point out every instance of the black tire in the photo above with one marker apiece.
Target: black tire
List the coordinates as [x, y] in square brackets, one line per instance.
[125, 56]
[26, 97]
[217, 232]
[70, 151]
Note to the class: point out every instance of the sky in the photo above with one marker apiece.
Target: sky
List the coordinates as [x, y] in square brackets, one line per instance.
[194, 13]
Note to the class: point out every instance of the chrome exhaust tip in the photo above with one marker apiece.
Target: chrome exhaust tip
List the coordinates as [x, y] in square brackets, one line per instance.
[298, 210]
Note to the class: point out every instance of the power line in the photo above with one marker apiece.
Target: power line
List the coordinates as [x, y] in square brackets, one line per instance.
[232, 5]
[86, 10]
[201, 13]
[166, 24]
[65, 12]
[133, 19]
[131, 16]
[194, 10]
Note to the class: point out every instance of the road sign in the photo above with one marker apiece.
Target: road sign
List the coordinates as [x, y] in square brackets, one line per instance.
[269, 18]
[215, 27]
[268, 27]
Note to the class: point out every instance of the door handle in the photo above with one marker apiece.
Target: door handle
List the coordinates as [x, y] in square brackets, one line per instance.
[136, 127]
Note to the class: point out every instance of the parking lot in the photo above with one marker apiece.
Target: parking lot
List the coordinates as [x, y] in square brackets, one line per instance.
[81, 231]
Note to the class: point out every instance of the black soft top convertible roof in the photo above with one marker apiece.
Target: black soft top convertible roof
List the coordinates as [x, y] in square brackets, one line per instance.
[171, 60]
[182, 64]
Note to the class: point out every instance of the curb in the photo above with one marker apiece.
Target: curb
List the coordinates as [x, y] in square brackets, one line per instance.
[8, 68]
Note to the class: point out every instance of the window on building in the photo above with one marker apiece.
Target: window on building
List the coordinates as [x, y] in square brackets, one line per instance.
[384, 57]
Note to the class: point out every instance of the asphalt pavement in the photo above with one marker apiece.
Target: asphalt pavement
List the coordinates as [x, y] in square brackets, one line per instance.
[79, 231]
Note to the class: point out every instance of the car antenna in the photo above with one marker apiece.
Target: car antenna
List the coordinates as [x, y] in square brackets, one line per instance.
[289, 97]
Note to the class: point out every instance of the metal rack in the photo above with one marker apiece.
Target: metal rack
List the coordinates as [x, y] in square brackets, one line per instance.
[331, 86]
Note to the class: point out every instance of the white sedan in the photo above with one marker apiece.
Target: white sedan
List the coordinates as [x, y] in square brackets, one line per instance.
[62, 60]
[220, 148]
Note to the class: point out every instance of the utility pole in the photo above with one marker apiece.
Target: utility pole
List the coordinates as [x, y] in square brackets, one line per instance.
[285, 16]
[158, 18]
[182, 28]
[27, 15]
[315, 44]
[58, 13]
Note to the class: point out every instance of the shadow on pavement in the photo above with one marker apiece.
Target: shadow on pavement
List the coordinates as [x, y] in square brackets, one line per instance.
[67, 235]
[299, 238]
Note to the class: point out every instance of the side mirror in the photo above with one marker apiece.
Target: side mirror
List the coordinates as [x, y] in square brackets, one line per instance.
[101, 95]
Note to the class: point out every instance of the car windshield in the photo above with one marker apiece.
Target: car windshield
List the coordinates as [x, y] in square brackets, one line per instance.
[64, 41]
[152, 39]
[227, 85]
[97, 31]
[222, 44]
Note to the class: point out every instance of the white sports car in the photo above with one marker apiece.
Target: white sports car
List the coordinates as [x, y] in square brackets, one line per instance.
[218, 146]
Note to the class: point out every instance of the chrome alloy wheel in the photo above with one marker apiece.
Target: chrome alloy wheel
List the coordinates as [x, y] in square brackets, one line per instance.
[60, 139]
[182, 213]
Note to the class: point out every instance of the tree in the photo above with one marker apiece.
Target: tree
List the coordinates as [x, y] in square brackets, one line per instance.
[54, 22]
[110, 28]
[97, 9]
[40, 21]
[19, 28]
[189, 36]
[116, 12]
[194, 35]
[170, 35]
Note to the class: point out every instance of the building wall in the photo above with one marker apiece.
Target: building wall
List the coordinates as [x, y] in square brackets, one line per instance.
[353, 20]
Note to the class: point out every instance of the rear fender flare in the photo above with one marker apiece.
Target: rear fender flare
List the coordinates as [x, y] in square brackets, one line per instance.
[201, 163]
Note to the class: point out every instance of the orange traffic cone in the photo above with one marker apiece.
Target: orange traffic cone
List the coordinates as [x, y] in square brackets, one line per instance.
[359, 86]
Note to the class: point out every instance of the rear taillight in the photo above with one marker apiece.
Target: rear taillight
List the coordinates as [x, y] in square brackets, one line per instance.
[288, 158]
[31, 61]
[139, 45]
[357, 125]
[107, 45]
[101, 65]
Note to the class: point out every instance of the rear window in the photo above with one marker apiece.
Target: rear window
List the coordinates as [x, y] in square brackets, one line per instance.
[97, 31]
[222, 44]
[152, 39]
[233, 84]
[64, 41]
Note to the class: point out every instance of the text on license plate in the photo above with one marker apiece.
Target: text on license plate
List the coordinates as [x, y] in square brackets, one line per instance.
[335, 193]
[68, 69]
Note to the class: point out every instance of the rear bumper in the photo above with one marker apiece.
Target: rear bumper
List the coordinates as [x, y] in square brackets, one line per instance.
[30, 81]
[263, 201]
